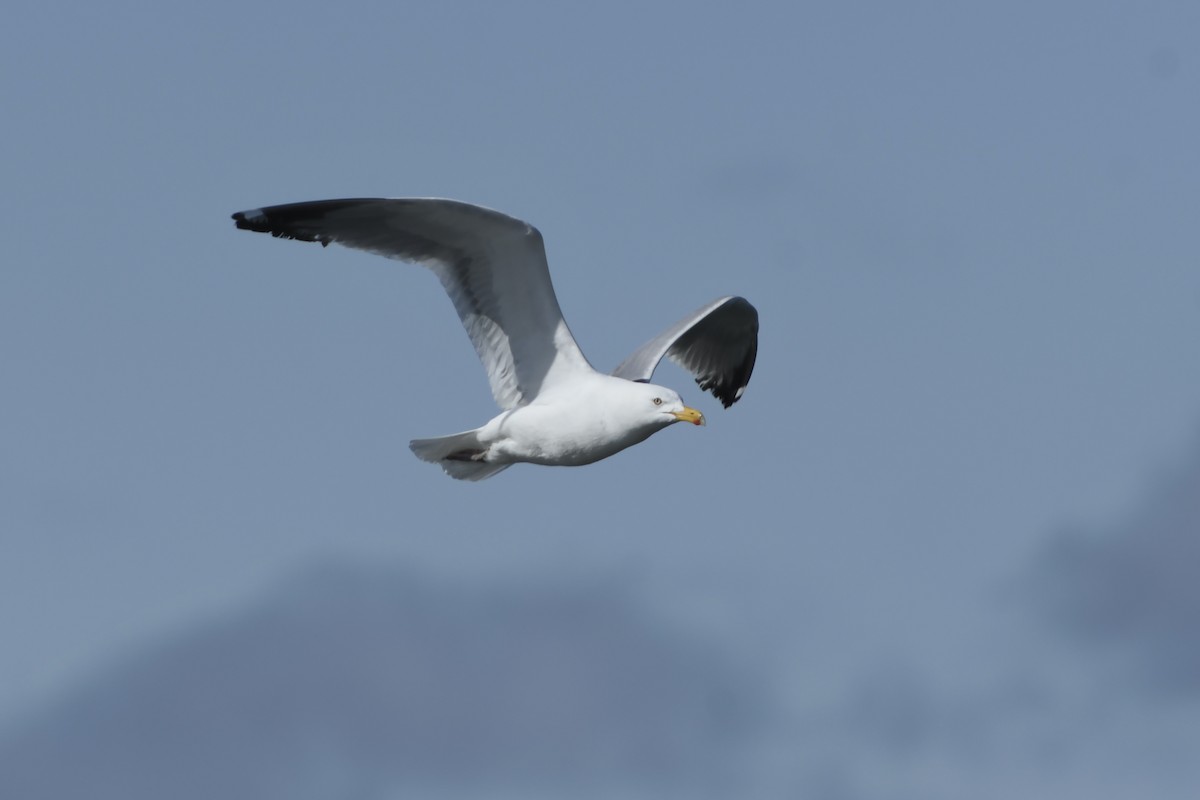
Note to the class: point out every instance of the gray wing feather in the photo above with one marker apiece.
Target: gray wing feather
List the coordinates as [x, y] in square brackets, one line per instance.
[491, 265]
[717, 344]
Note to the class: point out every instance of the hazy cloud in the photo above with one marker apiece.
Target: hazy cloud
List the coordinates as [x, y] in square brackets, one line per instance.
[1051, 713]
[1132, 589]
[359, 682]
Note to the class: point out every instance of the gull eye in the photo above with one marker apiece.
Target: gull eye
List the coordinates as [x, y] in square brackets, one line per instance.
[658, 401]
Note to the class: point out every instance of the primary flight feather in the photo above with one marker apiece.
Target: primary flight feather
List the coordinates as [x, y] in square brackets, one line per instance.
[556, 409]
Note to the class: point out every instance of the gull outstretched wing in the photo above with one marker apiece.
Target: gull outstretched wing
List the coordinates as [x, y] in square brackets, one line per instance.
[493, 267]
[717, 344]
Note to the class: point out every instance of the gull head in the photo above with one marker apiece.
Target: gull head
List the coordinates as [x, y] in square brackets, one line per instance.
[658, 406]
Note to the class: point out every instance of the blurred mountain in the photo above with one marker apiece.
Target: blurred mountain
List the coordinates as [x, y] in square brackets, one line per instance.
[1083, 683]
[1133, 587]
[354, 681]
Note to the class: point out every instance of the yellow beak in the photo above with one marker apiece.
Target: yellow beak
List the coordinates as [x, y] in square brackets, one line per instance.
[690, 415]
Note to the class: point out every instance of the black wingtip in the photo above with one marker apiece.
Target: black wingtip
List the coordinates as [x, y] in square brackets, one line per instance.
[304, 222]
[253, 220]
[725, 393]
[279, 225]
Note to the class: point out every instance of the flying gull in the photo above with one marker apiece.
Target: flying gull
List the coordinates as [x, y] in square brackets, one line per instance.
[556, 409]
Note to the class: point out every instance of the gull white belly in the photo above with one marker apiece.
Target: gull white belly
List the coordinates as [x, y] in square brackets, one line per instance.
[557, 434]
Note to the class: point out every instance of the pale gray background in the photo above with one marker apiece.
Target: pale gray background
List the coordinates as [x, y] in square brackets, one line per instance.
[945, 547]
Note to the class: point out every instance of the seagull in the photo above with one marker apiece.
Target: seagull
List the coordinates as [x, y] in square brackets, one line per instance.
[555, 408]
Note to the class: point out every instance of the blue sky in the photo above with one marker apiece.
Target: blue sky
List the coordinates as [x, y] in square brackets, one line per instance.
[969, 230]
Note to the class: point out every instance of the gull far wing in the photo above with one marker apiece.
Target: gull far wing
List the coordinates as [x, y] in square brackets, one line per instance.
[493, 267]
[717, 344]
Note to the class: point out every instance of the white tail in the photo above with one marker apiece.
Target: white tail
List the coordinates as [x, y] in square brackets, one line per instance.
[462, 446]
